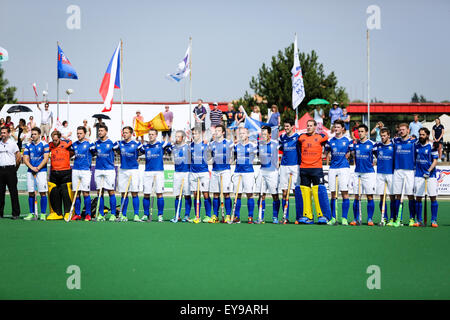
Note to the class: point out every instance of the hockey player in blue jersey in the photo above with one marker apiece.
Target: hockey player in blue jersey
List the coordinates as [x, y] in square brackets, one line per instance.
[425, 173]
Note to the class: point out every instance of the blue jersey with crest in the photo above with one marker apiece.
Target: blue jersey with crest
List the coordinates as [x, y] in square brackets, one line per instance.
[339, 149]
[385, 157]
[268, 155]
[83, 155]
[425, 154]
[221, 154]
[291, 149]
[181, 156]
[404, 153]
[105, 154]
[129, 153]
[363, 156]
[36, 154]
[198, 152]
[244, 155]
[154, 153]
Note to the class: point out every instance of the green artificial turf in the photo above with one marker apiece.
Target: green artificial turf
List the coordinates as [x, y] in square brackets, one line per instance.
[221, 261]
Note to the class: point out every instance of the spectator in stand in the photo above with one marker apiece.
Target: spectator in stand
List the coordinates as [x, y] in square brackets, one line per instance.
[377, 130]
[438, 136]
[346, 118]
[9, 123]
[319, 115]
[256, 114]
[230, 116]
[274, 121]
[20, 133]
[215, 116]
[168, 118]
[335, 112]
[355, 133]
[46, 121]
[200, 116]
[239, 116]
[141, 118]
[31, 124]
[65, 131]
[414, 127]
[88, 129]
[2, 122]
[97, 124]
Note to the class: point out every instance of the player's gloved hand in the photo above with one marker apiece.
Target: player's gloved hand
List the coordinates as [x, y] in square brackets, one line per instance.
[426, 175]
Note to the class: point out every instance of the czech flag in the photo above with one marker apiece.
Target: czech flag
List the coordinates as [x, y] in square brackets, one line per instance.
[65, 69]
[111, 80]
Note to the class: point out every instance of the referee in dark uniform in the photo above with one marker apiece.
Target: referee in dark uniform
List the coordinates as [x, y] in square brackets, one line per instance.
[10, 159]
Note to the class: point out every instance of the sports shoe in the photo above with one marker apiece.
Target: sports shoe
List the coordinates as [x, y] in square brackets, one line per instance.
[144, 218]
[397, 223]
[250, 220]
[331, 222]
[160, 218]
[185, 219]
[419, 224]
[227, 219]
[305, 220]
[434, 224]
[43, 217]
[136, 218]
[285, 221]
[76, 217]
[206, 219]
[112, 218]
[275, 220]
[100, 218]
[174, 220]
[390, 223]
[123, 218]
[214, 219]
[30, 217]
[87, 218]
[322, 220]
[344, 222]
[370, 223]
[353, 223]
[237, 220]
[195, 220]
[411, 223]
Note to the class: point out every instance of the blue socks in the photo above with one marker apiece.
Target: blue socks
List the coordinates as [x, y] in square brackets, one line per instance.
[44, 204]
[31, 203]
[419, 210]
[412, 209]
[276, 208]
[333, 207]
[77, 206]
[146, 205]
[87, 205]
[160, 205]
[228, 206]
[187, 206]
[237, 211]
[370, 209]
[216, 205]
[345, 207]
[101, 205]
[112, 204]
[251, 207]
[356, 210]
[434, 210]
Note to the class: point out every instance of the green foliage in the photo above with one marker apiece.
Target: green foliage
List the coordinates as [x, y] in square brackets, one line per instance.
[274, 85]
[6, 93]
[419, 99]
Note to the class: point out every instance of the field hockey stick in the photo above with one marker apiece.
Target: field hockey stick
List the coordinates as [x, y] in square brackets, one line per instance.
[383, 205]
[152, 199]
[73, 201]
[286, 205]
[260, 209]
[336, 206]
[222, 219]
[425, 209]
[35, 196]
[359, 201]
[126, 195]
[400, 209]
[99, 197]
[235, 199]
[180, 199]
[197, 205]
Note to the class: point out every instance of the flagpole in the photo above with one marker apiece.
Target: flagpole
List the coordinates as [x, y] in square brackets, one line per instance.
[190, 83]
[57, 84]
[368, 80]
[296, 109]
[121, 83]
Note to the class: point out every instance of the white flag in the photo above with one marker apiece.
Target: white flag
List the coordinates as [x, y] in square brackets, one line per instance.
[298, 89]
[3, 55]
[182, 69]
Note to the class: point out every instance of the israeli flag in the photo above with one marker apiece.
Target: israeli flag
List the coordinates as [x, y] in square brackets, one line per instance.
[183, 69]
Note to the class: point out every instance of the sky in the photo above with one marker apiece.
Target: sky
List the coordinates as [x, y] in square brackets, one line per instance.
[230, 42]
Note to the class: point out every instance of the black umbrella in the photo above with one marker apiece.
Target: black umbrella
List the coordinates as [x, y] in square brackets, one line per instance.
[19, 108]
[101, 116]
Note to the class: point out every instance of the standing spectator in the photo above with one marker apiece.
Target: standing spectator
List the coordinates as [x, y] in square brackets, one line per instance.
[31, 124]
[88, 129]
[414, 127]
[438, 136]
[97, 124]
[10, 159]
[20, 133]
[65, 131]
[335, 112]
[215, 116]
[2, 122]
[200, 116]
[256, 114]
[9, 123]
[230, 116]
[46, 121]
[346, 118]
[376, 131]
[355, 133]
[168, 118]
[274, 121]
[140, 118]
[239, 116]
[318, 116]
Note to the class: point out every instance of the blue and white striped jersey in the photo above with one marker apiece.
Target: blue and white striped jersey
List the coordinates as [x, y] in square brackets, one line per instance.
[221, 154]
[268, 155]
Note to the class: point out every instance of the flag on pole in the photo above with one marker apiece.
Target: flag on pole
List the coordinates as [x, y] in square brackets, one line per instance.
[65, 69]
[251, 124]
[298, 89]
[3, 55]
[111, 80]
[35, 90]
[183, 69]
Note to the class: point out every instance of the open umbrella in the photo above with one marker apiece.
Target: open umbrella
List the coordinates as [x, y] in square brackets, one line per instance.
[101, 116]
[318, 101]
[19, 108]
